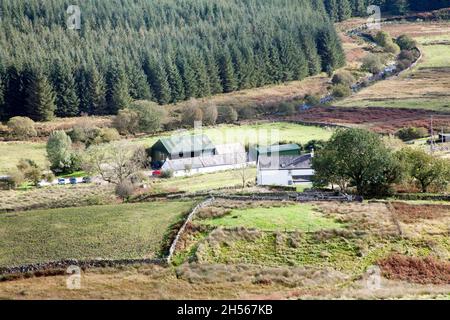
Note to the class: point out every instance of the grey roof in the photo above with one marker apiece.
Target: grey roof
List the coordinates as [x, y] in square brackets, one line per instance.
[205, 161]
[186, 143]
[230, 148]
[286, 162]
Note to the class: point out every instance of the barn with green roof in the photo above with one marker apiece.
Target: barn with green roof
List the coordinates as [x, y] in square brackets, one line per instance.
[178, 147]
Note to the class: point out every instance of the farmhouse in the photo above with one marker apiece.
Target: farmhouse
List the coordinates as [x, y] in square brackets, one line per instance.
[444, 137]
[178, 147]
[285, 170]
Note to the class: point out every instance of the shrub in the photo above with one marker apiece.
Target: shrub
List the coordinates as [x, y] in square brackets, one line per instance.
[124, 190]
[372, 64]
[343, 77]
[405, 42]
[341, 91]
[287, 108]
[191, 114]
[15, 179]
[227, 114]
[126, 122]
[30, 171]
[210, 115]
[247, 113]
[22, 127]
[411, 133]
[385, 40]
[312, 100]
[406, 55]
[109, 134]
[150, 116]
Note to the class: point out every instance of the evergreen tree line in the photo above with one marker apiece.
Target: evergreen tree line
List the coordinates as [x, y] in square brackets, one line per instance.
[166, 51]
[340, 10]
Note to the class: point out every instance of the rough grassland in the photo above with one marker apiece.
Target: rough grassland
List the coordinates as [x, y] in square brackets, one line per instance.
[12, 152]
[109, 232]
[424, 87]
[297, 217]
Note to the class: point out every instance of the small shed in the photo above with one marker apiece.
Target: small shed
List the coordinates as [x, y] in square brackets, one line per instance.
[280, 150]
[179, 147]
[444, 137]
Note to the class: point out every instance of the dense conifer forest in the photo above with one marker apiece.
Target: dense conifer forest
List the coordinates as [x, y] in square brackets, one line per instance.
[166, 51]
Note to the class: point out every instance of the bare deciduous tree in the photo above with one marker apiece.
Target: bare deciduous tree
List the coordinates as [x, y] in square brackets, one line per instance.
[115, 163]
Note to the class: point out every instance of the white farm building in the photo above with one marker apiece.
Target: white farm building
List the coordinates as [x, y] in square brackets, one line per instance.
[285, 170]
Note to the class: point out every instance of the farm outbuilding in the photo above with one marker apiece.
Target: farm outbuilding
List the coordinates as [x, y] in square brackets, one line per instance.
[180, 147]
[285, 170]
[280, 150]
[444, 137]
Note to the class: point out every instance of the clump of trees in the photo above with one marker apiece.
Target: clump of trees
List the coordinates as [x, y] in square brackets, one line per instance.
[425, 170]
[384, 39]
[356, 158]
[411, 133]
[61, 154]
[140, 117]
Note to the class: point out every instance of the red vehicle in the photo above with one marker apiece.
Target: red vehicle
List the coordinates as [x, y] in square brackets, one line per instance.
[156, 173]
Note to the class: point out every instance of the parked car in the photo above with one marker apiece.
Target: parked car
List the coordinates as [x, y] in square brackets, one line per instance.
[73, 180]
[87, 180]
[156, 173]
[61, 181]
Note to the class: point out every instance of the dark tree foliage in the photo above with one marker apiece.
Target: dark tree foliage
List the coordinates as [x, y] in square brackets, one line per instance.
[166, 50]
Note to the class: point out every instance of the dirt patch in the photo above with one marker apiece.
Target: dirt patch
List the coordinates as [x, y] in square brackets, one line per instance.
[418, 270]
[408, 213]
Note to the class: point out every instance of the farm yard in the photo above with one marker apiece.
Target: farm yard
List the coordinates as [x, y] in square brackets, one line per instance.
[127, 231]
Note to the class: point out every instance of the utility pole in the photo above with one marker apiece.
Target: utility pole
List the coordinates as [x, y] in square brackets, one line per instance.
[432, 135]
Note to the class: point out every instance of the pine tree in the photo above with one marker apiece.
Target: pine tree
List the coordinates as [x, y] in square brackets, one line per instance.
[67, 102]
[330, 50]
[312, 56]
[118, 96]
[2, 99]
[201, 75]
[40, 98]
[175, 80]
[229, 81]
[15, 104]
[157, 78]
[213, 73]
[188, 75]
[139, 88]
[96, 88]
[332, 9]
[345, 10]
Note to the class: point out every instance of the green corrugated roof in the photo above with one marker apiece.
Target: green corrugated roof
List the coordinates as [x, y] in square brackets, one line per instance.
[279, 148]
[187, 143]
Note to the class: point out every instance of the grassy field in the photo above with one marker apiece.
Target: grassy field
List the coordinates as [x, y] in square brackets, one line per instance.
[12, 152]
[204, 182]
[110, 232]
[56, 197]
[297, 217]
[424, 87]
